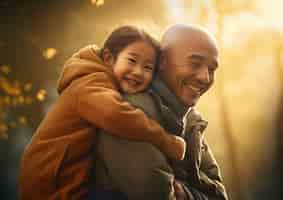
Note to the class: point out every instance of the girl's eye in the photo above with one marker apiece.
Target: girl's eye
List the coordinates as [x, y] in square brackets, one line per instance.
[148, 67]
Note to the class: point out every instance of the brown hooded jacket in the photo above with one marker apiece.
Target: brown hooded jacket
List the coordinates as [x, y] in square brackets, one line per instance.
[57, 162]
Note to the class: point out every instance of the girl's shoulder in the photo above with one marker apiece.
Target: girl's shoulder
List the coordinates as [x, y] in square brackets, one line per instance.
[85, 67]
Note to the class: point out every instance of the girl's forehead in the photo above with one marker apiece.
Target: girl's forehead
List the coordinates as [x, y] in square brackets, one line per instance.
[140, 48]
[140, 44]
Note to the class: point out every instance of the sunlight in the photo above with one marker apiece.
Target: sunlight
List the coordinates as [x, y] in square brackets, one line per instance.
[176, 10]
[272, 12]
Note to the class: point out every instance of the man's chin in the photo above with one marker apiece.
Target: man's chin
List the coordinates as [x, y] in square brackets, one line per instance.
[189, 102]
[189, 98]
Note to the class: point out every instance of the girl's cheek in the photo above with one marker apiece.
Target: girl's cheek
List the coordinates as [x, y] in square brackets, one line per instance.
[149, 78]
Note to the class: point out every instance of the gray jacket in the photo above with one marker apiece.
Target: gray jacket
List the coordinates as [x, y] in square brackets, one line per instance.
[141, 171]
[199, 171]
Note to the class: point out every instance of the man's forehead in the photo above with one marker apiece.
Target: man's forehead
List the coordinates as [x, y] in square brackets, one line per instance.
[195, 51]
[196, 43]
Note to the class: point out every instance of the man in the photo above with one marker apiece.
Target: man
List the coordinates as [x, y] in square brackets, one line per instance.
[188, 62]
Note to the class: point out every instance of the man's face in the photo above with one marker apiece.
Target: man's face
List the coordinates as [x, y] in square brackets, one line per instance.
[188, 69]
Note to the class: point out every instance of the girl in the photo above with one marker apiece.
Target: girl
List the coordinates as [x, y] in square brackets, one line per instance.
[57, 162]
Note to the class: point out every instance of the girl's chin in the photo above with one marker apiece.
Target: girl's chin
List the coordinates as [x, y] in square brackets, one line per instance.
[131, 90]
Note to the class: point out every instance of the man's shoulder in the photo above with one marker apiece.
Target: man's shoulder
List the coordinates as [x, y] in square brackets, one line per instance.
[145, 101]
[139, 98]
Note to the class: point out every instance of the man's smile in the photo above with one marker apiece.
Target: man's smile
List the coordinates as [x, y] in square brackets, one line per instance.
[195, 89]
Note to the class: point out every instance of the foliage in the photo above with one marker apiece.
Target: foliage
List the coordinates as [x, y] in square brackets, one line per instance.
[15, 95]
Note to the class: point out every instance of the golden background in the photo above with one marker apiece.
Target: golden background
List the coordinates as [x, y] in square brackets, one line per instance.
[244, 108]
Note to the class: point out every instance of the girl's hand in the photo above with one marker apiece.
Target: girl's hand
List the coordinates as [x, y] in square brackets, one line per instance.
[175, 148]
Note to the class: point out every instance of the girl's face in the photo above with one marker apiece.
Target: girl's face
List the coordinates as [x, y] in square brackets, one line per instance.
[134, 67]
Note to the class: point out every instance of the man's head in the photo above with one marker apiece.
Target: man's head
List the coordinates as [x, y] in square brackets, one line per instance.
[188, 62]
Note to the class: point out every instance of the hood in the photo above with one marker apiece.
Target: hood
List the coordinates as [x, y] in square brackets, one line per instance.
[82, 63]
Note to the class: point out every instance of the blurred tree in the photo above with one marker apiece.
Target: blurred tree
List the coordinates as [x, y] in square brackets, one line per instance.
[279, 122]
[225, 9]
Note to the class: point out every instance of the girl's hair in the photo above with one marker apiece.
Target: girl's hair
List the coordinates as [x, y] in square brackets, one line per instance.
[123, 36]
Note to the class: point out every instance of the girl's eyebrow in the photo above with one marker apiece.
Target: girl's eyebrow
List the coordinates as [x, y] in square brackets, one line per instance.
[150, 61]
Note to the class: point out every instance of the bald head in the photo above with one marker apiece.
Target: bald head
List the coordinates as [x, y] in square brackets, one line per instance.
[193, 34]
[188, 62]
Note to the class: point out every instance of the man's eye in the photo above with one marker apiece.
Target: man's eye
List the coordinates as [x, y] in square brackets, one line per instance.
[211, 69]
[195, 65]
[131, 60]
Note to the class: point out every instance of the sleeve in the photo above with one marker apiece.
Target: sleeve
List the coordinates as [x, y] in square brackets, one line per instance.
[193, 182]
[98, 102]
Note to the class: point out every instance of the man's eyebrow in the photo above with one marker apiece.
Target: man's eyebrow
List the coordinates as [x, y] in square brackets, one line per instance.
[196, 56]
[134, 54]
[201, 57]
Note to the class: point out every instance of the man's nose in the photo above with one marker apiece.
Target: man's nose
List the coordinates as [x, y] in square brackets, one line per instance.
[203, 75]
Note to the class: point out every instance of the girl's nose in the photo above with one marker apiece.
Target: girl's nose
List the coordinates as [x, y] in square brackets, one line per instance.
[138, 70]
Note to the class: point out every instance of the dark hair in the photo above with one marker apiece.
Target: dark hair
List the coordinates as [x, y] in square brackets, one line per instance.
[123, 36]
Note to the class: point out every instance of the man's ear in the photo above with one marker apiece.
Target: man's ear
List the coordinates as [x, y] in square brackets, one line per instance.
[107, 57]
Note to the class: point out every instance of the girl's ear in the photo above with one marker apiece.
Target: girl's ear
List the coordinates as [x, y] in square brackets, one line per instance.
[107, 57]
